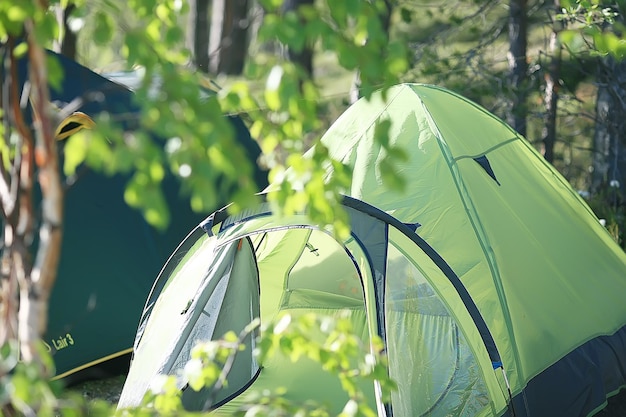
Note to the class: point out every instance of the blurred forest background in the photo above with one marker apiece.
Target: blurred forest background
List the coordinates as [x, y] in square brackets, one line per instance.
[553, 69]
[526, 61]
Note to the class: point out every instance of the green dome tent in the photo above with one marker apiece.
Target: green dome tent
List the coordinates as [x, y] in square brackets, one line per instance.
[494, 287]
[110, 254]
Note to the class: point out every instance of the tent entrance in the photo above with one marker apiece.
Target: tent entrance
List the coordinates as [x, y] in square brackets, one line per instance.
[219, 283]
[304, 270]
[237, 268]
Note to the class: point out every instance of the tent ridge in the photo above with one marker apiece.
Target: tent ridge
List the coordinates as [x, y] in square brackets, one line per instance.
[471, 103]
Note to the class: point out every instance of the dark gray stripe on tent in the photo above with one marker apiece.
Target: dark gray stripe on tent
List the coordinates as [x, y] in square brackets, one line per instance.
[578, 383]
[236, 393]
[369, 231]
[471, 307]
[371, 234]
[360, 206]
[220, 217]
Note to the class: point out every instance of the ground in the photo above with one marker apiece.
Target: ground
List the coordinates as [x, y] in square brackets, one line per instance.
[109, 389]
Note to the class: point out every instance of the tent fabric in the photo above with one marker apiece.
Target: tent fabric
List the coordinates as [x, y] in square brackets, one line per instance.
[304, 270]
[220, 291]
[296, 249]
[544, 273]
[494, 287]
[437, 365]
[110, 254]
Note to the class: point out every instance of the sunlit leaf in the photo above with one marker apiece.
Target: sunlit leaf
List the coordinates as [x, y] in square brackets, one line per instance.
[76, 147]
[104, 28]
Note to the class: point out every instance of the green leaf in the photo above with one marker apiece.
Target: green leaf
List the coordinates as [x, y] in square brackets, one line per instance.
[347, 56]
[157, 173]
[353, 7]
[271, 5]
[339, 12]
[17, 13]
[55, 72]
[20, 50]
[174, 35]
[104, 28]
[163, 12]
[406, 15]
[46, 28]
[76, 147]
[153, 30]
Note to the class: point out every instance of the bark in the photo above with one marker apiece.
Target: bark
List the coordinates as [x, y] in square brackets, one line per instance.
[21, 277]
[198, 33]
[68, 42]
[551, 95]
[35, 288]
[16, 195]
[601, 140]
[608, 175]
[256, 16]
[609, 159]
[518, 65]
[228, 38]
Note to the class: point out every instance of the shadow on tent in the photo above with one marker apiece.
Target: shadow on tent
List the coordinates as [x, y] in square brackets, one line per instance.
[110, 254]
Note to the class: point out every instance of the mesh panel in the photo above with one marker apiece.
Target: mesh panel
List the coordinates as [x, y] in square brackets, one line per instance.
[429, 358]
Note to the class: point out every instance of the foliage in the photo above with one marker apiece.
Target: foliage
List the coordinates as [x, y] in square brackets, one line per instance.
[197, 145]
[597, 29]
[24, 392]
[595, 23]
[288, 110]
[338, 351]
[281, 118]
[609, 207]
[181, 133]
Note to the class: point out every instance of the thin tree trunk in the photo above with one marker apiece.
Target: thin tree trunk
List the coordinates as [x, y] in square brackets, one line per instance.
[609, 159]
[198, 33]
[69, 40]
[36, 293]
[518, 66]
[33, 156]
[16, 193]
[256, 16]
[228, 38]
[601, 139]
[551, 95]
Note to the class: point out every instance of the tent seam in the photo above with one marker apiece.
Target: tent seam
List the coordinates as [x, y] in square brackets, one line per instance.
[480, 234]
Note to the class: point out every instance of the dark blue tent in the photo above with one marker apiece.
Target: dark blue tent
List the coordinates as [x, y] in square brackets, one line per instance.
[110, 255]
